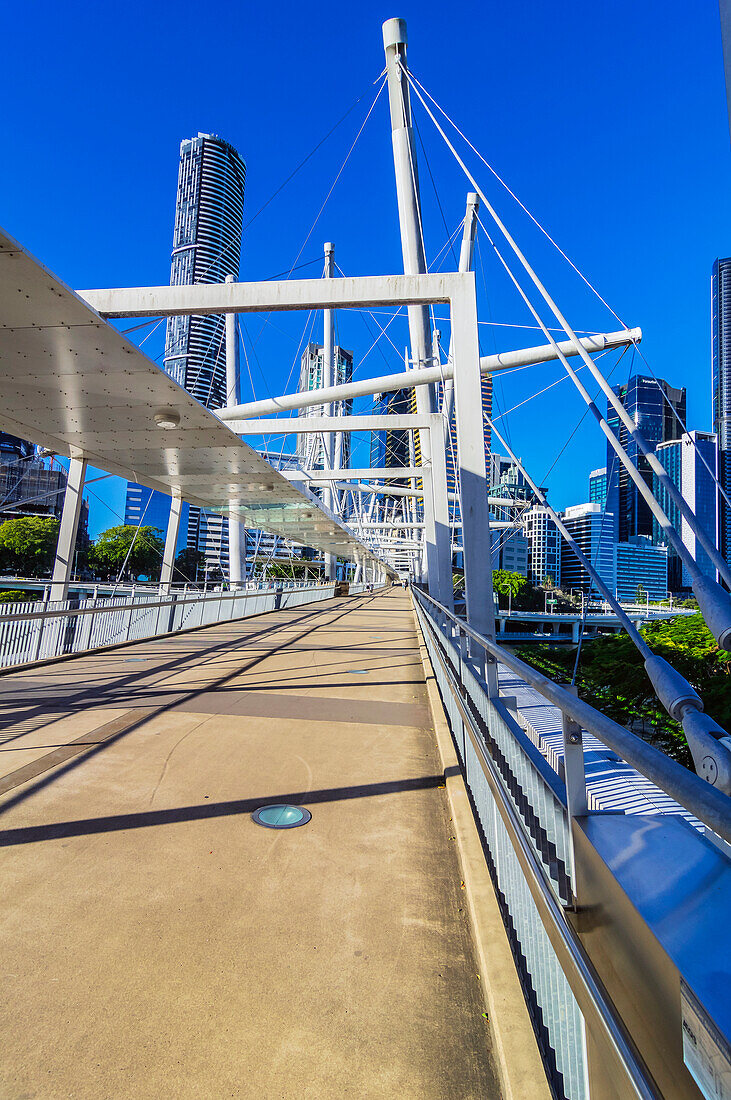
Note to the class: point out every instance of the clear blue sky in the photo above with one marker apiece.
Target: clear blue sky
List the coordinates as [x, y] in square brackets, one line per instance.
[607, 119]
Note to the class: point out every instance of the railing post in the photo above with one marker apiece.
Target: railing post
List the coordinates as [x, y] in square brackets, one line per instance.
[573, 761]
[575, 781]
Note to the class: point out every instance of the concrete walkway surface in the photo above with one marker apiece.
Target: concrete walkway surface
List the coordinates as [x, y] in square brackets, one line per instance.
[155, 942]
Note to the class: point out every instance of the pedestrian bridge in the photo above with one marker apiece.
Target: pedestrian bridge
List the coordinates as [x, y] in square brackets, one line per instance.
[488, 901]
[553, 626]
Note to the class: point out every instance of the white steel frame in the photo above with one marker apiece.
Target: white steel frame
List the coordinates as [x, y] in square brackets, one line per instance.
[453, 289]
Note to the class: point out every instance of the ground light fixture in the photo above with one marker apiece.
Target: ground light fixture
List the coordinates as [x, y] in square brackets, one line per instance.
[281, 816]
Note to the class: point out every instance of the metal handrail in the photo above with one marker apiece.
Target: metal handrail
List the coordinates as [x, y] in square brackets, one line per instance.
[591, 996]
[133, 605]
[709, 805]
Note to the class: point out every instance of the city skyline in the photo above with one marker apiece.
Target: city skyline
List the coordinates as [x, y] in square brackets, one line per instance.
[614, 230]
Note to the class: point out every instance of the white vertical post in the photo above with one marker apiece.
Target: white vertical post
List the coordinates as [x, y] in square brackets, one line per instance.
[171, 541]
[444, 586]
[329, 375]
[234, 526]
[466, 254]
[69, 527]
[412, 246]
[472, 465]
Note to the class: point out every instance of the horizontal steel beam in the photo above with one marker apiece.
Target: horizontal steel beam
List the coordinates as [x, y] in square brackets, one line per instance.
[389, 383]
[304, 294]
[302, 425]
[387, 473]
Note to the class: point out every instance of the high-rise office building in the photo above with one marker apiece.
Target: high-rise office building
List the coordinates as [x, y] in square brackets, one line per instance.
[510, 550]
[33, 485]
[506, 480]
[654, 406]
[452, 457]
[593, 530]
[544, 538]
[206, 248]
[598, 487]
[721, 362]
[691, 464]
[388, 447]
[147, 507]
[641, 570]
[392, 447]
[310, 446]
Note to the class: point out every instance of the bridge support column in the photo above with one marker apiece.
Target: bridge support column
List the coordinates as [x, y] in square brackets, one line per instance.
[234, 527]
[72, 501]
[171, 541]
[575, 633]
[329, 377]
[473, 469]
[414, 257]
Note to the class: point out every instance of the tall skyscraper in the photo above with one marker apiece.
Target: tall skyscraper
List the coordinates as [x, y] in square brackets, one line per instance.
[598, 487]
[31, 485]
[451, 456]
[688, 461]
[544, 556]
[640, 566]
[309, 446]
[146, 507]
[593, 530]
[654, 406]
[721, 361]
[206, 248]
[388, 447]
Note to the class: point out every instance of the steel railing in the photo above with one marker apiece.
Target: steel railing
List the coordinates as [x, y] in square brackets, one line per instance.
[524, 809]
[30, 632]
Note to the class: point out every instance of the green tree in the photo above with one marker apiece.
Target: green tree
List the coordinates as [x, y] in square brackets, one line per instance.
[109, 553]
[641, 593]
[548, 581]
[612, 677]
[28, 545]
[189, 565]
[508, 584]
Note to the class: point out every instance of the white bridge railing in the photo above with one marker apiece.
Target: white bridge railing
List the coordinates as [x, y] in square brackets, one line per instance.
[612, 868]
[39, 631]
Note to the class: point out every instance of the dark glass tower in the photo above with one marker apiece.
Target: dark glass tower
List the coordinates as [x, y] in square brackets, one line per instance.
[654, 406]
[721, 361]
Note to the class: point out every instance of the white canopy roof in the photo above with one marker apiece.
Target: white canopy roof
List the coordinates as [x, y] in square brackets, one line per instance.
[72, 383]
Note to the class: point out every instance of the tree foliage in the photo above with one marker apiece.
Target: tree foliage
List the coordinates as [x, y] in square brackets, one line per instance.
[108, 553]
[189, 564]
[612, 677]
[287, 571]
[508, 584]
[28, 545]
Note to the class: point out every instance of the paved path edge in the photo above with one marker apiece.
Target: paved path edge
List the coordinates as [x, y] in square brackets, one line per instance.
[518, 1059]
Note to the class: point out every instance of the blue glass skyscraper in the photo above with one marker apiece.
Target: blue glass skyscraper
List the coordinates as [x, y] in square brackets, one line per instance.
[721, 363]
[598, 487]
[688, 461]
[654, 406]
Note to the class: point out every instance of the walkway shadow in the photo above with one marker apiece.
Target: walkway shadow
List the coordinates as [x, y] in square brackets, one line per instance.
[32, 834]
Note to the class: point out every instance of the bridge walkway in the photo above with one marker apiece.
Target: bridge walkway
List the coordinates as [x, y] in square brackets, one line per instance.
[157, 943]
